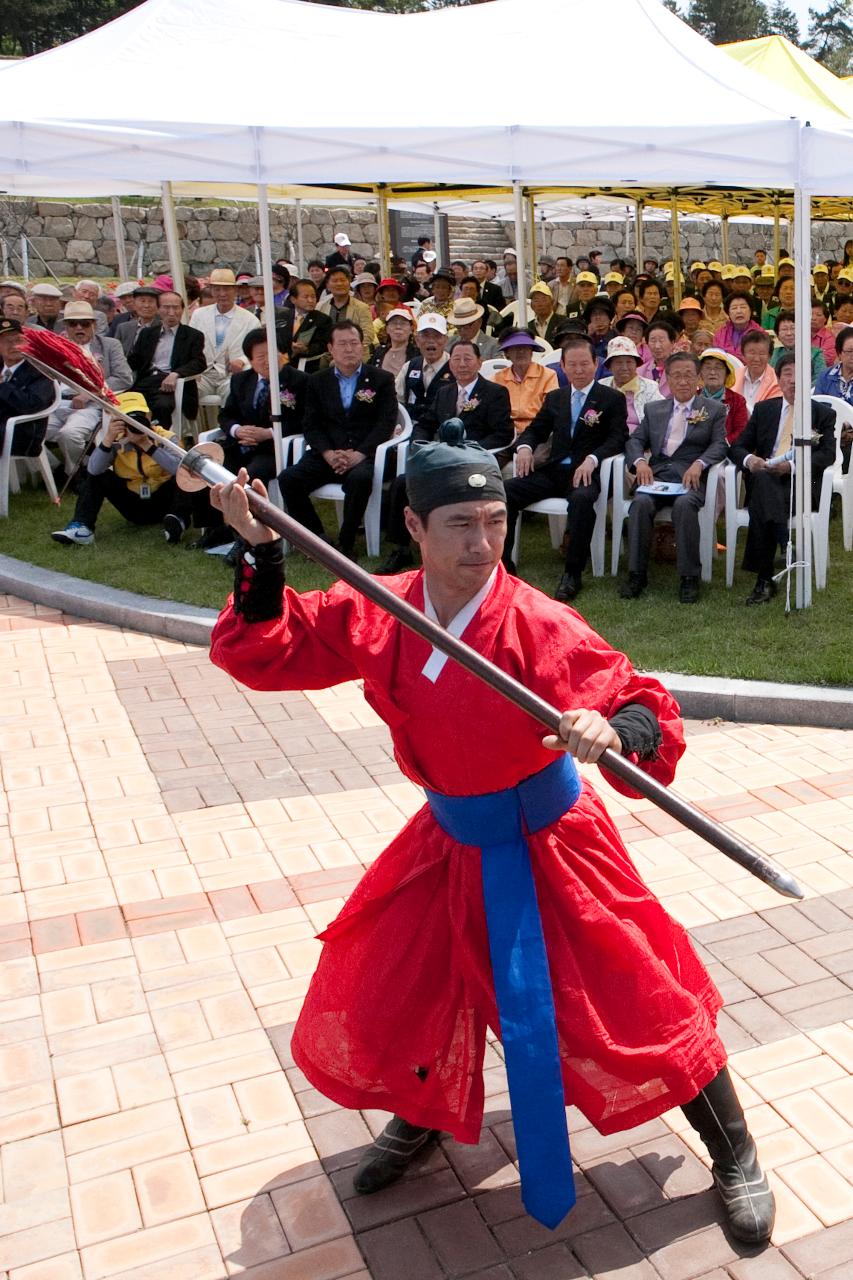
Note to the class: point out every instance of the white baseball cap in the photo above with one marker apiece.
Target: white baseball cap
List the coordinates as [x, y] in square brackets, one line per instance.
[431, 320]
[341, 239]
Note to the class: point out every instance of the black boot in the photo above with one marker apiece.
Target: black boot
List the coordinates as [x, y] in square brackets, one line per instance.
[388, 1158]
[718, 1118]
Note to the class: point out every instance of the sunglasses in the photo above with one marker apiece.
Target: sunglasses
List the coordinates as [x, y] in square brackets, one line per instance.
[79, 324]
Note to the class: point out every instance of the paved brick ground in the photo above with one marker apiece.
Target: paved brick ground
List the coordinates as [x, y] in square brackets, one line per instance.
[169, 848]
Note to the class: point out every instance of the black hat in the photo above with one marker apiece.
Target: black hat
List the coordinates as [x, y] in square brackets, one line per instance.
[600, 302]
[10, 326]
[451, 469]
[146, 291]
[444, 274]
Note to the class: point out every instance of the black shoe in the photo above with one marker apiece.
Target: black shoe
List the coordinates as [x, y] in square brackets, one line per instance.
[634, 587]
[568, 587]
[215, 536]
[173, 529]
[388, 1158]
[688, 590]
[716, 1115]
[347, 549]
[763, 591]
[398, 560]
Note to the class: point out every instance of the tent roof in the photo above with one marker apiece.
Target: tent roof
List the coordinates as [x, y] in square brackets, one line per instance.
[729, 126]
[791, 69]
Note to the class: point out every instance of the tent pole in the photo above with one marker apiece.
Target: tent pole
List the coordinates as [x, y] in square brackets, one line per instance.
[777, 232]
[531, 229]
[640, 248]
[436, 235]
[300, 242]
[25, 259]
[520, 261]
[802, 479]
[724, 233]
[676, 249]
[627, 235]
[269, 320]
[118, 232]
[384, 233]
[170, 228]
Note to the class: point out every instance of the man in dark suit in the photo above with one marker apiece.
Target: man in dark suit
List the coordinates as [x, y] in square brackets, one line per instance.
[684, 436]
[490, 293]
[23, 390]
[483, 407]
[245, 421]
[349, 411]
[764, 451]
[303, 332]
[245, 418]
[163, 353]
[585, 423]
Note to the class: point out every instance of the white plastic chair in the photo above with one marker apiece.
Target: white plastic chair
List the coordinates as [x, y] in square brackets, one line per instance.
[842, 481]
[737, 517]
[489, 368]
[8, 473]
[180, 426]
[707, 521]
[611, 471]
[334, 492]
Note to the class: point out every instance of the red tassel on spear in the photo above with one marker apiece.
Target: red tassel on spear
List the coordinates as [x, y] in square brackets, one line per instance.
[67, 358]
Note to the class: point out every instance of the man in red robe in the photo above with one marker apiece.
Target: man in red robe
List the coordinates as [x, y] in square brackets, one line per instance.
[396, 1014]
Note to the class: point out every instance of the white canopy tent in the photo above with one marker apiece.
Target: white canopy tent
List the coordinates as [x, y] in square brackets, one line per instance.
[717, 123]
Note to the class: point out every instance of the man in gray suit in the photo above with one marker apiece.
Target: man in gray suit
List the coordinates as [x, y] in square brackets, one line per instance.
[683, 436]
[72, 424]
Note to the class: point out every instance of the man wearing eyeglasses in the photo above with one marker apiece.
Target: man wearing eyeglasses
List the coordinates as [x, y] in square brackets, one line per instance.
[72, 425]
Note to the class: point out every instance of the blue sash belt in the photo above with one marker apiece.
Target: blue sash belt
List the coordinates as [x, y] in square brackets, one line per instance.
[497, 823]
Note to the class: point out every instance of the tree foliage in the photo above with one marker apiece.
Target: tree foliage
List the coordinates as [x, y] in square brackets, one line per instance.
[830, 38]
[784, 22]
[34, 25]
[726, 21]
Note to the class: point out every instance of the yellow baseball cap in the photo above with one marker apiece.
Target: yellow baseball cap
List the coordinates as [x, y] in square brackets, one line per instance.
[846, 273]
[586, 277]
[613, 277]
[698, 266]
[133, 402]
[714, 265]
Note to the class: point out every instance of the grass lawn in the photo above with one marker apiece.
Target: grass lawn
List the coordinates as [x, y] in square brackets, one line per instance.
[719, 636]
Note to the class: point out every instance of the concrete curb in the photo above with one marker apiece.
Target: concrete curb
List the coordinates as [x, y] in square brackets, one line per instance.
[701, 697]
[92, 600]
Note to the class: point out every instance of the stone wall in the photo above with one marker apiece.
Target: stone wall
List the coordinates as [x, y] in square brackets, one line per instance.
[700, 241]
[73, 240]
[69, 240]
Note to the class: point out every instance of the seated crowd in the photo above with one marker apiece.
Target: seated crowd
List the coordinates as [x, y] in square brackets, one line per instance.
[593, 364]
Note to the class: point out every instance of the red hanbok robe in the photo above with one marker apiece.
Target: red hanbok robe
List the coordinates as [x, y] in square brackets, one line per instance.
[396, 1014]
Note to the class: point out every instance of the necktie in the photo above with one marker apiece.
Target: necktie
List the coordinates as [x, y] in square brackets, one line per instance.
[677, 430]
[786, 433]
[462, 398]
[297, 323]
[261, 397]
[578, 398]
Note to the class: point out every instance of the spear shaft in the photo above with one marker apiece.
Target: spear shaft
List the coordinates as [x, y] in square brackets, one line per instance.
[202, 468]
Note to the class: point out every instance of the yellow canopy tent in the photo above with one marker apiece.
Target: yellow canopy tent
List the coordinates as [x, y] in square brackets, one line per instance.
[785, 65]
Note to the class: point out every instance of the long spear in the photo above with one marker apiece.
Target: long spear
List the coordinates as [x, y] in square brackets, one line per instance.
[201, 466]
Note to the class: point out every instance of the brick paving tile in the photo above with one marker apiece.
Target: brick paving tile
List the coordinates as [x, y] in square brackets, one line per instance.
[146, 1083]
